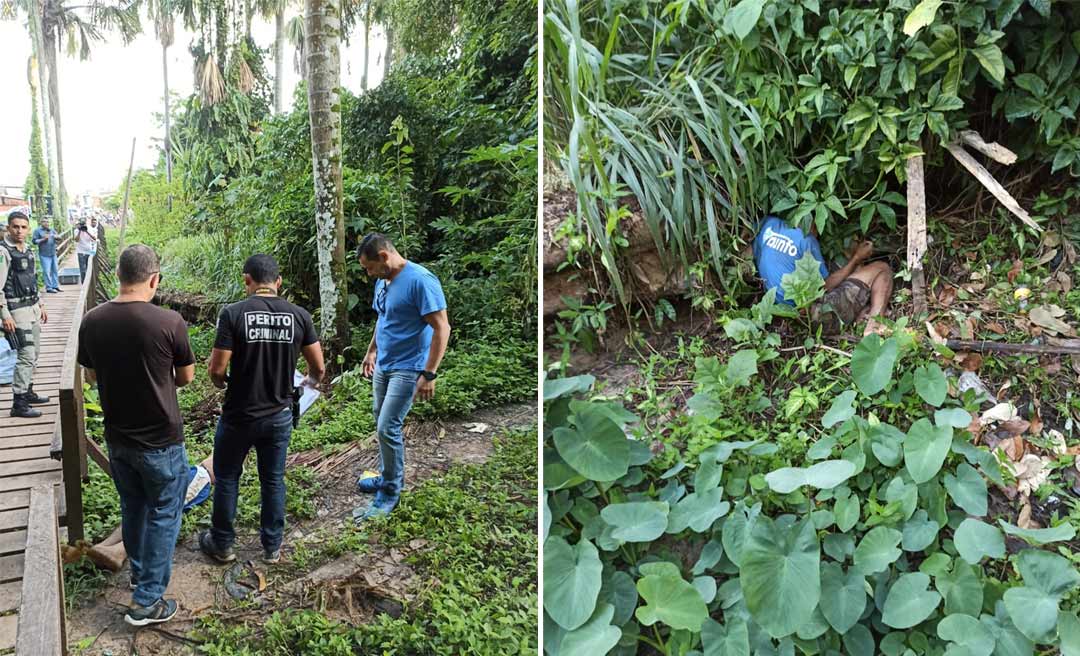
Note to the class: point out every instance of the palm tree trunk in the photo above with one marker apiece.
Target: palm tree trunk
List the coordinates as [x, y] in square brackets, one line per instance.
[279, 59]
[322, 46]
[168, 131]
[367, 34]
[60, 194]
[38, 46]
[389, 51]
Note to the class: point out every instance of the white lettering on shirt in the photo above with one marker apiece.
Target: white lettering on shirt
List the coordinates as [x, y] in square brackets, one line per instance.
[780, 243]
[269, 327]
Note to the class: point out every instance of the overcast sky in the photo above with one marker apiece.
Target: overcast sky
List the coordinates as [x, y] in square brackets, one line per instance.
[111, 97]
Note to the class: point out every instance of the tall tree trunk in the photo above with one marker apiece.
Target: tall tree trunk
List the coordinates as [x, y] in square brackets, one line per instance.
[322, 22]
[389, 51]
[38, 45]
[60, 195]
[168, 130]
[37, 181]
[279, 59]
[367, 34]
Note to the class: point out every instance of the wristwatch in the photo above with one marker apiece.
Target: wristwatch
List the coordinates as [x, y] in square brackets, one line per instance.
[429, 375]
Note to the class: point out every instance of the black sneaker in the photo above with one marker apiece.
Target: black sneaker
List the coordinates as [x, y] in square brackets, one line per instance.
[271, 556]
[207, 546]
[162, 611]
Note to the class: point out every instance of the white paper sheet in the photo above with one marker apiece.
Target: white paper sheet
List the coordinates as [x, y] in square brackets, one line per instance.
[309, 394]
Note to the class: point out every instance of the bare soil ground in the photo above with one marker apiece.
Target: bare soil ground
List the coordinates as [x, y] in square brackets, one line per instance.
[352, 588]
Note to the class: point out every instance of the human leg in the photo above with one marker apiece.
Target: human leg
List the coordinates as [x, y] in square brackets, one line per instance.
[83, 260]
[231, 445]
[878, 276]
[50, 272]
[400, 390]
[133, 507]
[271, 447]
[164, 477]
[379, 382]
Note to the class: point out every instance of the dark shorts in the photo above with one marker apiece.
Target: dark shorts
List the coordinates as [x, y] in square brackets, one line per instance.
[841, 306]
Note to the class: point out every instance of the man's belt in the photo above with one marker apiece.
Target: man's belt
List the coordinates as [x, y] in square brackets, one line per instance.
[22, 301]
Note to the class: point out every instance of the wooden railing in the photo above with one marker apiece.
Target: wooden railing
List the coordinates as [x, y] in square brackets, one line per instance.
[74, 445]
[41, 627]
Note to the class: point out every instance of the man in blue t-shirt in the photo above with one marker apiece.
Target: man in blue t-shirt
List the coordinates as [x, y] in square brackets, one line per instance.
[853, 293]
[44, 238]
[402, 359]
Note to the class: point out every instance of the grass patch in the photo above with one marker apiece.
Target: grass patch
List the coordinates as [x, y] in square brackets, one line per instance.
[479, 522]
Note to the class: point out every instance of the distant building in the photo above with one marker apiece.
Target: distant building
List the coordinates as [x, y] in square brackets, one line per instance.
[10, 201]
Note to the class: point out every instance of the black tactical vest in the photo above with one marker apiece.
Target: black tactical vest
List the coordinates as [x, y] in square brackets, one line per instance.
[21, 286]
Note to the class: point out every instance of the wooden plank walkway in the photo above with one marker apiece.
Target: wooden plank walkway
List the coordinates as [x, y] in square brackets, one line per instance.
[24, 453]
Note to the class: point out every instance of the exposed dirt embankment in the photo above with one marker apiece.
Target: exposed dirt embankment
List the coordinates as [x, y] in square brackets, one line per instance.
[643, 268]
[195, 308]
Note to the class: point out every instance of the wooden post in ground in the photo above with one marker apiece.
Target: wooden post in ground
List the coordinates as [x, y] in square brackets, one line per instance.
[127, 191]
[916, 232]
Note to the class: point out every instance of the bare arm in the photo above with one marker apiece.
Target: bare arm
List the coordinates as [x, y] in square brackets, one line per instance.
[313, 356]
[184, 375]
[219, 366]
[862, 251]
[439, 340]
[91, 375]
[369, 358]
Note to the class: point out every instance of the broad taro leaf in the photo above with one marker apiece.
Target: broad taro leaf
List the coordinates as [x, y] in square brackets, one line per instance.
[698, 510]
[931, 385]
[1034, 607]
[559, 387]
[886, 441]
[736, 529]
[1069, 633]
[877, 550]
[843, 596]
[872, 363]
[780, 574]
[968, 489]
[597, 448]
[841, 410]
[970, 635]
[596, 636]
[925, 448]
[730, 639]
[572, 579]
[919, 532]
[671, 600]
[637, 521]
[823, 475]
[909, 602]
[975, 539]
[1040, 536]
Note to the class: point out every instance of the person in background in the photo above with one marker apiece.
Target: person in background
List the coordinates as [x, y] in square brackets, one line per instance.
[259, 340]
[23, 312]
[139, 354]
[85, 247]
[44, 238]
[409, 343]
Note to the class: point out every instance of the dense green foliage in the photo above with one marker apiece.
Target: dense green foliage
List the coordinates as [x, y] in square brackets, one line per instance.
[709, 115]
[478, 524]
[866, 532]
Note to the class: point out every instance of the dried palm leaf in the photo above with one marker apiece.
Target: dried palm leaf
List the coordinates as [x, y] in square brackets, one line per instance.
[245, 78]
[211, 82]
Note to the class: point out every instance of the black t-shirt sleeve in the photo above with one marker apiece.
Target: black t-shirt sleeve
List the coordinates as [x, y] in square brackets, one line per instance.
[182, 353]
[224, 339]
[83, 356]
[310, 335]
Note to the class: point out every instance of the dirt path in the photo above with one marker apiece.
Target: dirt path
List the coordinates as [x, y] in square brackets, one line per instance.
[198, 585]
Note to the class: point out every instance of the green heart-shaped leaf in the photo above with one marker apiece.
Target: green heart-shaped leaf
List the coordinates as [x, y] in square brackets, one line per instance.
[909, 602]
[742, 18]
[596, 636]
[886, 442]
[919, 532]
[967, 489]
[975, 539]
[598, 448]
[572, 579]
[841, 410]
[823, 475]
[968, 633]
[637, 521]
[780, 574]
[925, 448]
[877, 550]
[872, 363]
[698, 510]
[558, 387]
[672, 601]
[843, 596]
[730, 639]
[1040, 536]
[847, 510]
[931, 385]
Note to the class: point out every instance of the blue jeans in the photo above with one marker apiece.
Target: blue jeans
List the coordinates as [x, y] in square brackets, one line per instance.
[49, 271]
[393, 393]
[270, 438]
[151, 485]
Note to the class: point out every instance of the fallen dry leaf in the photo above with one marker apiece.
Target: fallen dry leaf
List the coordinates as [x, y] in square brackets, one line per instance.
[975, 428]
[1024, 520]
[1065, 281]
[1051, 239]
[970, 361]
[1048, 255]
[1036, 424]
[1023, 324]
[1070, 252]
[975, 287]
[1057, 442]
[1004, 386]
[1031, 472]
[935, 337]
[946, 296]
[1001, 412]
[1013, 447]
[1049, 317]
[1015, 426]
[995, 327]
[1014, 271]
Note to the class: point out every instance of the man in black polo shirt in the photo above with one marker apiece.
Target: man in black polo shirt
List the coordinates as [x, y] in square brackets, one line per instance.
[258, 342]
[139, 354]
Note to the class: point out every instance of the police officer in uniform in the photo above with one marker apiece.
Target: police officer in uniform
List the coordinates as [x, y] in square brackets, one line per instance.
[22, 312]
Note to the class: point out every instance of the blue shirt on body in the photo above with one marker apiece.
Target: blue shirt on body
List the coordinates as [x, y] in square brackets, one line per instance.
[402, 337]
[48, 248]
[777, 247]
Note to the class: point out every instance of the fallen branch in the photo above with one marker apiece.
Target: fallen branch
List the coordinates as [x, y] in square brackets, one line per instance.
[916, 232]
[991, 184]
[1000, 347]
[994, 151]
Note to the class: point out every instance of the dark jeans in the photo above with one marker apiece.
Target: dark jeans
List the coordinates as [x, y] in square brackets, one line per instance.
[83, 260]
[151, 485]
[270, 438]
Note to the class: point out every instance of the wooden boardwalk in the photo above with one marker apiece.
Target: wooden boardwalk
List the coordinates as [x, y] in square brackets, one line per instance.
[25, 459]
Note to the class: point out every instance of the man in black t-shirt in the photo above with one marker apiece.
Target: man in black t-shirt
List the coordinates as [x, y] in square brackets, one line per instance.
[258, 343]
[139, 354]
